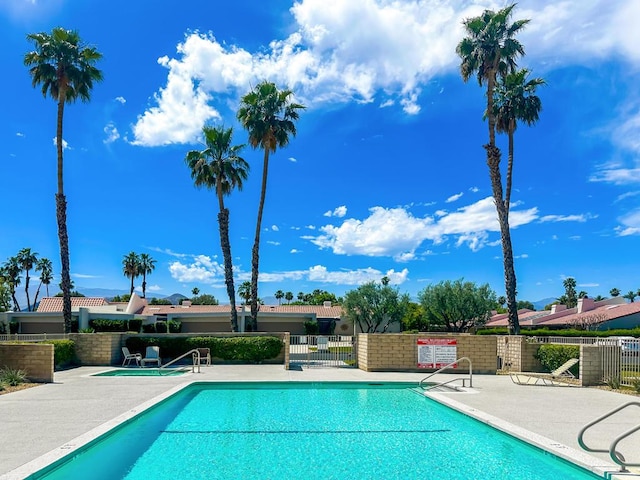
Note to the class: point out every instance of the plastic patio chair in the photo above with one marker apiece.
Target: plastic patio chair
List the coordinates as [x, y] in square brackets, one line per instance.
[152, 355]
[559, 376]
[128, 356]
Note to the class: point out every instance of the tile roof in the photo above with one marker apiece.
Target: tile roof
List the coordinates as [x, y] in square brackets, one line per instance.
[319, 310]
[54, 304]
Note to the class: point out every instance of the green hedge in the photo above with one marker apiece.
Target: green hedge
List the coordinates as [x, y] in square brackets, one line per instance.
[241, 349]
[64, 351]
[107, 325]
[552, 356]
[569, 332]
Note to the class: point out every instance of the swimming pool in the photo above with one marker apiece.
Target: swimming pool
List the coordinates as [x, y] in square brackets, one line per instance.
[310, 431]
[142, 372]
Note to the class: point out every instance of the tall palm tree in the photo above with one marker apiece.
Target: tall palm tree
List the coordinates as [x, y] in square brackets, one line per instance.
[491, 49]
[279, 296]
[27, 259]
[65, 68]
[220, 167]
[244, 290]
[288, 297]
[11, 271]
[515, 100]
[269, 115]
[131, 267]
[146, 267]
[45, 267]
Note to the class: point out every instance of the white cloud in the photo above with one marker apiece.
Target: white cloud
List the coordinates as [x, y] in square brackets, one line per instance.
[84, 275]
[271, 242]
[65, 145]
[630, 224]
[293, 159]
[566, 218]
[440, 213]
[112, 133]
[154, 288]
[121, 100]
[588, 285]
[397, 233]
[474, 189]
[339, 212]
[294, 250]
[19, 134]
[453, 198]
[275, 228]
[170, 252]
[202, 269]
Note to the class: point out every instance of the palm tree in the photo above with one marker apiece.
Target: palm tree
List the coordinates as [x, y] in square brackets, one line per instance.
[220, 166]
[631, 295]
[288, 297]
[45, 267]
[244, 290]
[515, 100]
[491, 49]
[27, 259]
[146, 265]
[11, 273]
[614, 292]
[300, 296]
[279, 296]
[195, 291]
[131, 267]
[66, 70]
[269, 115]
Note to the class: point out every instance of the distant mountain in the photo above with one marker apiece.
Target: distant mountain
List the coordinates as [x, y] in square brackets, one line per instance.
[174, 299]
[540, 304]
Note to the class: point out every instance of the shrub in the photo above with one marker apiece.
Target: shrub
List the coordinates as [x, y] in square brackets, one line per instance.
[635, 384]
[86, 330]
[161, 327]
[241, 349]
[311, 327]
[12, 376]
[553, 356]
[149, 328]
[107, 325]
[613, 382]
[134, 325]
[64, 351]
[14, 326]
[175, 326]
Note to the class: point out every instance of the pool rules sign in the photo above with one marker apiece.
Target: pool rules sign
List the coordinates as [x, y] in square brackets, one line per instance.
[436, 352]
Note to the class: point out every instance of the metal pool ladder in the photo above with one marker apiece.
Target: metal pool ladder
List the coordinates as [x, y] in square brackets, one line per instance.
[440, 384]
[615, 455]
[196, 360]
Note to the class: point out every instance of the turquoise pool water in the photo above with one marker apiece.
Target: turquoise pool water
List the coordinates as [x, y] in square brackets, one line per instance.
[141, 372]
[309, 431]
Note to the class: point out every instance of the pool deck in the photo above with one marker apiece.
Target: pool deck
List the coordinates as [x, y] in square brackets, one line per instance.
[52, 418]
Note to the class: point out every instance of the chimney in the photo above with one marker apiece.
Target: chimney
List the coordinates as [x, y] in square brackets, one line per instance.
[557, 307]
[186, 303]
[585, 304]
[327, 304]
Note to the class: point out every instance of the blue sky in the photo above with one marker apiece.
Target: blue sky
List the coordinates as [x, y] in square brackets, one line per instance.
[387, 175]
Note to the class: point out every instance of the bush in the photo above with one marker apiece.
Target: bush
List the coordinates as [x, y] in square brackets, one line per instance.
[553, 356]
[240, 349]
[107, 325]
[175, 326]
[134, 325]
[311, 327]
[12, 376]
[567, 332]
[635, 384]
[161, 327]
[14, 326]
[64, 351]
[149, 328]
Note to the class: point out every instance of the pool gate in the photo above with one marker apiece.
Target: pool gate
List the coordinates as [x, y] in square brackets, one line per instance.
[323, 351]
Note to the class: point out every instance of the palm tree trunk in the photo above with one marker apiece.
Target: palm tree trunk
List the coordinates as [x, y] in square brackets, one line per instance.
[507, 198]
[225, 244]
[144, 285]
[26, 290]
[493, 161]
[61, 215]
[16, 305]
[255, 253]
[131, 292]
[35, 300]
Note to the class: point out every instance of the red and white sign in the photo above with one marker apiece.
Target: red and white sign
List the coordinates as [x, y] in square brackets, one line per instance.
[436, 352]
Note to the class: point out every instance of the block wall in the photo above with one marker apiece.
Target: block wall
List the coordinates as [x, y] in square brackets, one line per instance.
[516, 354]
[98, 348]
[399, 352]
[36, 359]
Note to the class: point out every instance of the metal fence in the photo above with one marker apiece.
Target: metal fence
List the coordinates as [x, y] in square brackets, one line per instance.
[620, 357]
[33, 337]
[322, 351]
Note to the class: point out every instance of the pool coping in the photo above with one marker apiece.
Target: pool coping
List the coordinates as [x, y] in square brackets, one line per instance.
[606, 470]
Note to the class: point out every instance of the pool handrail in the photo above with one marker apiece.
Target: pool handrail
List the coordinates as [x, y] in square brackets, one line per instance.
[615, 455]
[467, 359]
[196, 360]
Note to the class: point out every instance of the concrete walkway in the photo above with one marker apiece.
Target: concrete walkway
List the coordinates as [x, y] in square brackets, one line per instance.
[47, 417]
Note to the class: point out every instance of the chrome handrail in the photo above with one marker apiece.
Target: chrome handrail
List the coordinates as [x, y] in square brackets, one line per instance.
[196, 360]
[444, 368]
[613, 453]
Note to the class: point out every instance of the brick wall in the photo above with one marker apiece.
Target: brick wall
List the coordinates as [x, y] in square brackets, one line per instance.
[399, 352]
[590, 365]
[516, 354]
[36, 359]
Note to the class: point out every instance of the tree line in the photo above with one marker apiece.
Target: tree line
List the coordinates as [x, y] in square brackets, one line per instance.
[11, 271]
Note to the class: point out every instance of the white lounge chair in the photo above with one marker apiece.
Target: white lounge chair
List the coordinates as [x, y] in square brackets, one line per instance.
[152, 355]
[128, 356]
[205, 356]
[560, 376]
